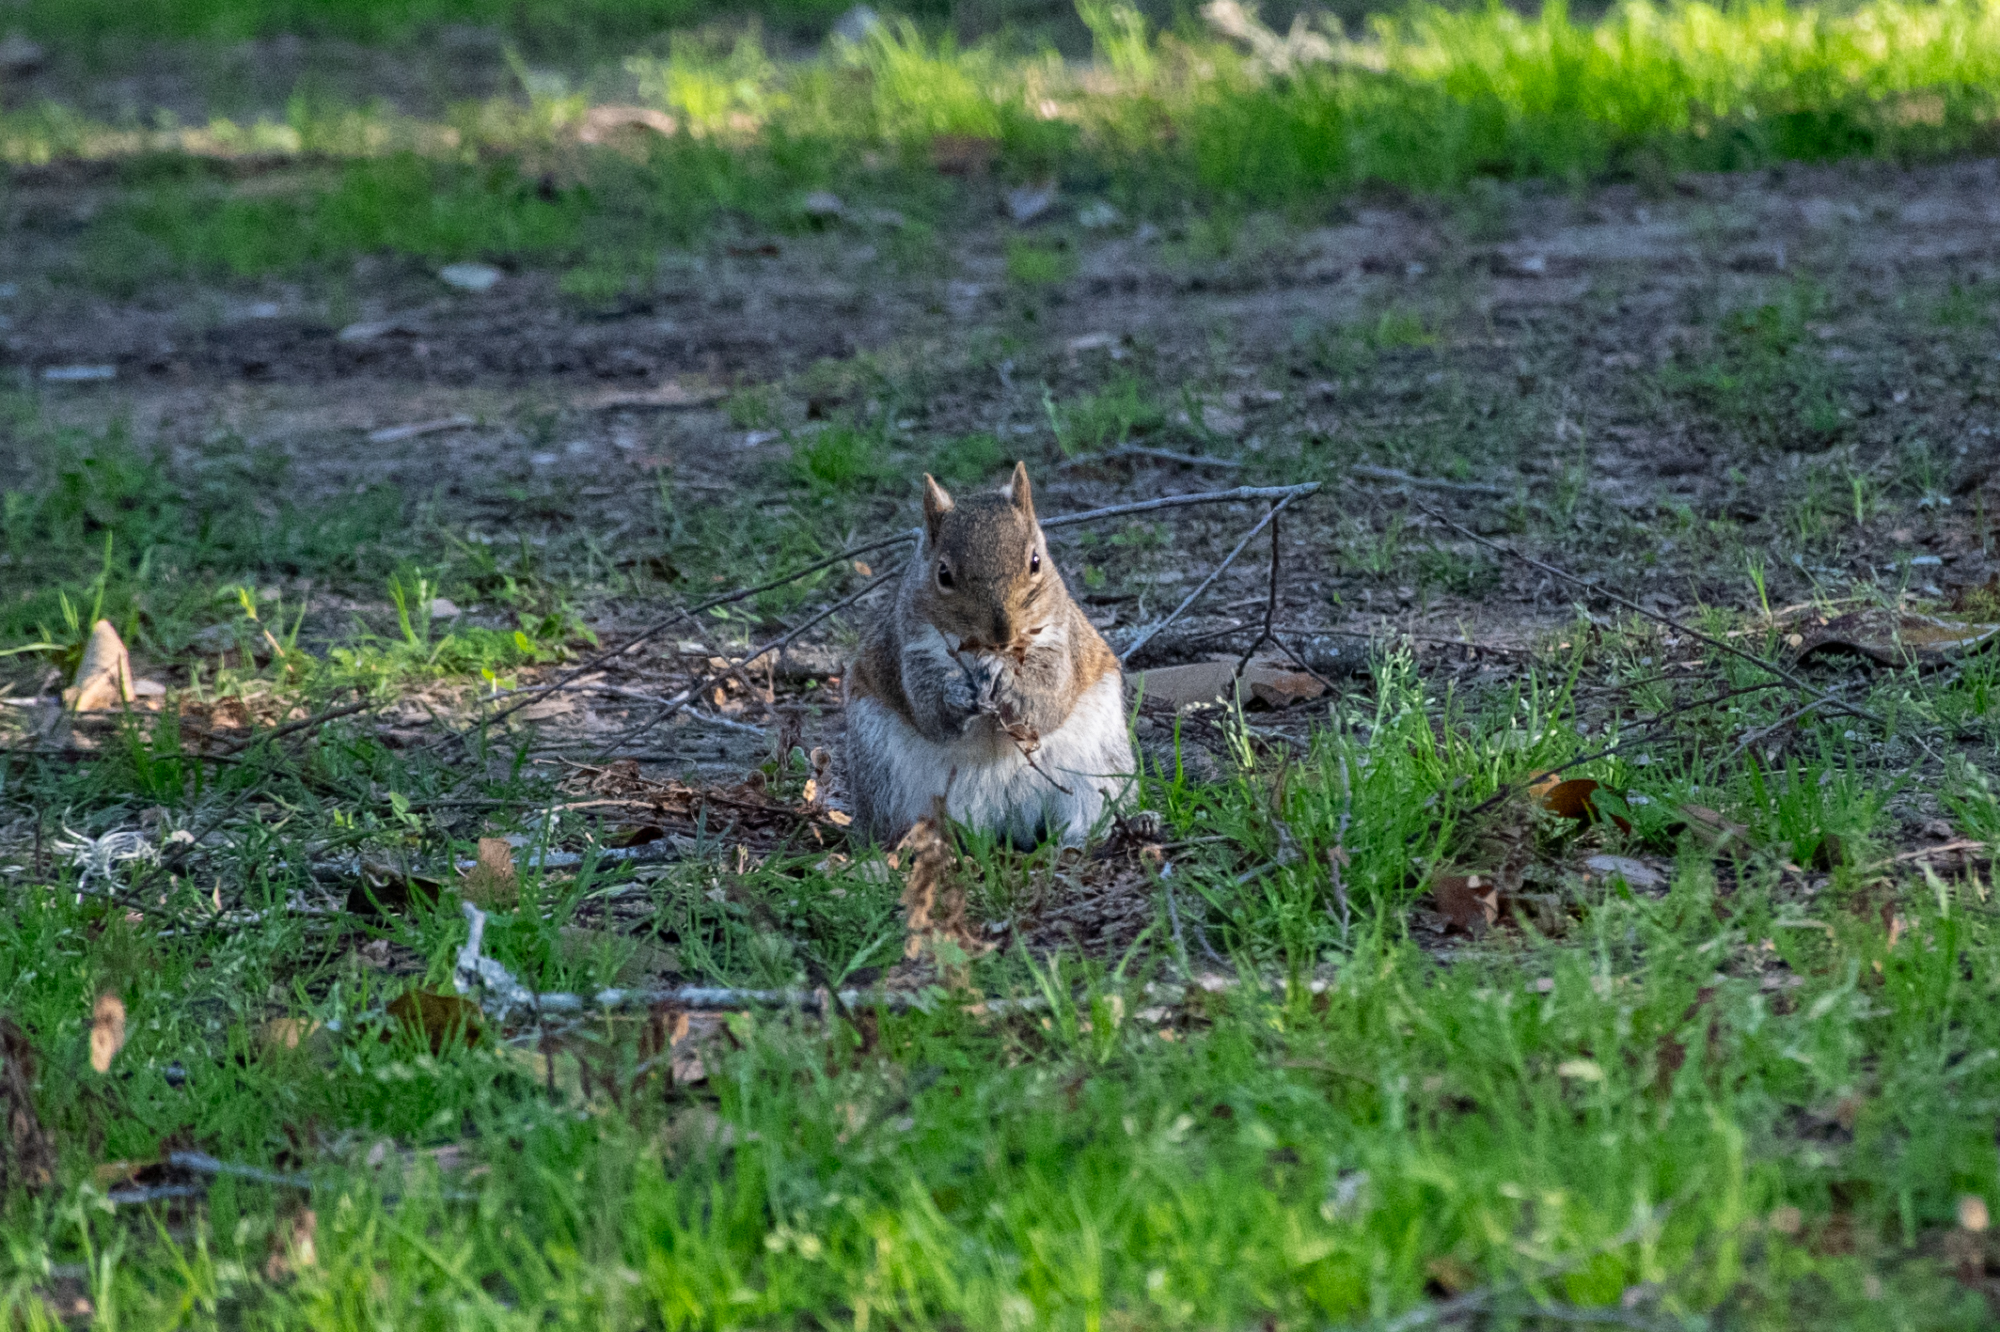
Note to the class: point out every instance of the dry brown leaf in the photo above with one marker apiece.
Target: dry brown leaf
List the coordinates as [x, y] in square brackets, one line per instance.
[1469, 902]
[287, 1033]
[1274, 682]
[1897, 638]
[629, 835]
[1573, 800]
[436, 1017]
[292, 1248]
[933, 899]
[491, 881]
[107, 1031]
[1451, 1273]
[601, 124]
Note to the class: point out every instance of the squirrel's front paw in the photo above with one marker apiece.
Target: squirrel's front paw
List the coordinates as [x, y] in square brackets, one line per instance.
[960, 699]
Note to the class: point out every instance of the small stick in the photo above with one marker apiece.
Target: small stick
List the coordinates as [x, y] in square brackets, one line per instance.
[524, 697]
[778, 644]
[1146, 636]
[1270, 604]
[1639, 731]
[1286, 493]
[1669, 621]
[303, 723]
[1762, 732]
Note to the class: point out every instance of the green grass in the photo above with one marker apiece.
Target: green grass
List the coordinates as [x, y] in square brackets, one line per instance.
[1724, 1104]
[1756, 1098]
[1429, 100]
[1762, 380]
[545, 26]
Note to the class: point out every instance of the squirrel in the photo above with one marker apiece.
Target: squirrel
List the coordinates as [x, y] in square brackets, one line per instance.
[983, 683]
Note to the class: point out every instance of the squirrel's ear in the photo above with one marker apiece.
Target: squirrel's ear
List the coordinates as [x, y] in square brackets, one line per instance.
[1021, 492]
[937, 503]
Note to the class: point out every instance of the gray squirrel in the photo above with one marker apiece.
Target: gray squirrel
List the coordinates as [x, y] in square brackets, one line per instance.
[984, 683]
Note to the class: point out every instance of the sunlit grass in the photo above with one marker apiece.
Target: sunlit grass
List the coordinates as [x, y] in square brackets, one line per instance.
[1426, 100]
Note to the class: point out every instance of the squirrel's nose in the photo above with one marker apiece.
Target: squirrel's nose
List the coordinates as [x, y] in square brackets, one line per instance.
[1003, 629]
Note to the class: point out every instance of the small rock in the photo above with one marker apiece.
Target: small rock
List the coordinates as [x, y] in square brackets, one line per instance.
[857, 25]
[470, 277]
[443, 608]
[397, 433]
[1636, 873]
[79, 374]
[824, 205]
[265, 310]
[372, 329]
[1029, 202]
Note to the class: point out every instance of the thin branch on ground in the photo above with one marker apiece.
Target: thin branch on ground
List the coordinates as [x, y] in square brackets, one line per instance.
[1752, 737]
[527, 696]
[302, 724]
[1721, 645]
[1473, 1301]
[1265, 635]
[1640, 730]
[1286, 493]
[499, 994]
[778, 644]
[1146, 635]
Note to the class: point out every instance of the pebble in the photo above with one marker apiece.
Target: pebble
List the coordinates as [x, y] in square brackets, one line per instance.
[470, 277]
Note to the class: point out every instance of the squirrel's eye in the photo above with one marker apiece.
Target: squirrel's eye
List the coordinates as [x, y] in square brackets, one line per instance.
[1035, 562]
[944, 576]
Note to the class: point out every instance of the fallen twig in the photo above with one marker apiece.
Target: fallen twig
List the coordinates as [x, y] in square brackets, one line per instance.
[1669, 621]
[1286, 493]
[499, 994]
[1752, 737]
[1146, 634]
[778, 644]
[1265, 635]
[293, 727]
[646, 635]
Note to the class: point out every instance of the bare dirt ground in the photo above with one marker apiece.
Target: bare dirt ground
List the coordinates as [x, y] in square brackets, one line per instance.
[1513, 357]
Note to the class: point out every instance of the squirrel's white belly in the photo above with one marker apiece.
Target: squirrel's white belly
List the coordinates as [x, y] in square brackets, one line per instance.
[987, 781]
